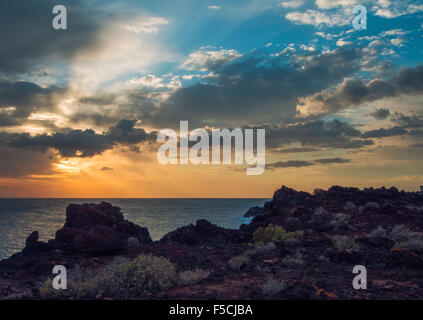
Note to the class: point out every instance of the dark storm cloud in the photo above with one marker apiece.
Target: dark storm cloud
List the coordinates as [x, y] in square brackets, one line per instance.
[253, 89]
[406, 125]
[417, 145]
[409, 122]
[136, 105]
[298, 149]
[332, 160]
[318, 133]
[27, 36]
[15, 163]
[289, 164]
[383, 133]
[300, 163]
[381, 114]
[83, 143]
[356, 92]
[19, 99]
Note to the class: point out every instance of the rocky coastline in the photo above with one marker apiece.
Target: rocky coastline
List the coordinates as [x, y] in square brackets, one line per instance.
[299, 245]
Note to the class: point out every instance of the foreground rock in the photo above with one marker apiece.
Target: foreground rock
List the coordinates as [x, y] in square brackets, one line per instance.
[334, 230]
[204, 233]
[97, 228]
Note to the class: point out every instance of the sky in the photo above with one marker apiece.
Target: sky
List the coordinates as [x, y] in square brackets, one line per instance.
[80, 108]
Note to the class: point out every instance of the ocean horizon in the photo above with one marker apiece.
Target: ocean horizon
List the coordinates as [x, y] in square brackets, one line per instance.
[20, 216]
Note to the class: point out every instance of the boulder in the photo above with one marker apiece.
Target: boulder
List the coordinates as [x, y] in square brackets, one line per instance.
[97, 228]
[33, 245]
[203, 233]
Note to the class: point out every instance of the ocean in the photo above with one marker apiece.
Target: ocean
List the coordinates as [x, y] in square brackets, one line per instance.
[19, 217]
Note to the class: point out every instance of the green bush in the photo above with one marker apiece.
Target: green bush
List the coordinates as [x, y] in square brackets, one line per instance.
[142, 274]
[190, 277]
[413, 245]
[275, 233]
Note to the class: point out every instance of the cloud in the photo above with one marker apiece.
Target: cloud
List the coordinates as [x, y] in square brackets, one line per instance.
[383, 133]
[330, 4]
[301, 163]
[146, 25]
[83, 143]
[15, 163]
[291, 4]
[342, 42]
[332, 160]
[316, 134]
[380, 114]
[393, 9]
[214, 7]
[106, 169]
[260, 87]
[203, 60]
[25, 29]
[408, 121]
[355, 92]
[289, 164]
[19, 99]
[318, 18]
[406, 125]
[397, 42]
[298, 149]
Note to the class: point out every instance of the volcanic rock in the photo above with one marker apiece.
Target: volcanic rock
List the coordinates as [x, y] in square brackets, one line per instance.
[204, 233]
[97, 228]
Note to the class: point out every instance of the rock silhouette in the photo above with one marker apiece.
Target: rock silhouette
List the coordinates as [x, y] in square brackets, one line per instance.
[97, 228]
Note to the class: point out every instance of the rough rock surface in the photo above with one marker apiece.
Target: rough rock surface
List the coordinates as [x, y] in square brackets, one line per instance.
[381, 229]
[97, 228]
[204, 233]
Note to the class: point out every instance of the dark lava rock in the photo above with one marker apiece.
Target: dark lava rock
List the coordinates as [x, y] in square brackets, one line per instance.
[203, 233]
[97, 228]
[254, 211]
[33, 245]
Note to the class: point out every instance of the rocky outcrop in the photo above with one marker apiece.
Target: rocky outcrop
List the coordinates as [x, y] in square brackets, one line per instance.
[97, 228]
[33, 245]
[203, 233]
[254, 211]
[336, 229]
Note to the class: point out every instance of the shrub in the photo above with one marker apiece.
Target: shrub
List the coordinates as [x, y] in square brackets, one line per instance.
[402, 233]
[406, 239]
[75, 290]
[345, 243]
[144, 273]
[413, 245]
[275, 233]
[190, 277]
